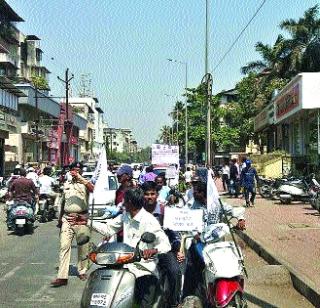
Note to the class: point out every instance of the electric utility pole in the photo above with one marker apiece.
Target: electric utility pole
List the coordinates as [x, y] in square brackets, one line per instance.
[37, 126]
[66, 81]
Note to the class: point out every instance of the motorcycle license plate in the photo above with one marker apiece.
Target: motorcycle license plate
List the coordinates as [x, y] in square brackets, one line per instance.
[20, 221]
[100, 299]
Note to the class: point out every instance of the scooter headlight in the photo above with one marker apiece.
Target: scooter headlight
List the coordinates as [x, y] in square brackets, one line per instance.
[111, 258]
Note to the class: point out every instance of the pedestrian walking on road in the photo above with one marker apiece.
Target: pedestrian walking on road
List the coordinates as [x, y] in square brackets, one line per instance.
[225, 176]
[73, 222]
[234, 178]
[247, 181]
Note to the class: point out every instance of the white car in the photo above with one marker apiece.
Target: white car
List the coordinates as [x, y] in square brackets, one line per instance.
[107, 198]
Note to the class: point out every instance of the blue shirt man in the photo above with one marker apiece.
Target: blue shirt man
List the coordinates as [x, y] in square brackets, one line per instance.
[247, 181]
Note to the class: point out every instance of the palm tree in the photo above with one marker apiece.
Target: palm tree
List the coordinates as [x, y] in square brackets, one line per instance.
[304, 44]
[273, 61]
[165, 134]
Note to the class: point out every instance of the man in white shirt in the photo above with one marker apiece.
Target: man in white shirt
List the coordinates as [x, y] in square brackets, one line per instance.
[134, 222]
[32, 175]
[188, 175]
[46, 182]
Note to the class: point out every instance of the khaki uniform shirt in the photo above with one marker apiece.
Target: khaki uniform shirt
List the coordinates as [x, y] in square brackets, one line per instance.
[76, 197]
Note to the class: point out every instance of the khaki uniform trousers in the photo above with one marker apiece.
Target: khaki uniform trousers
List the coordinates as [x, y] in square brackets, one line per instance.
[66, 236]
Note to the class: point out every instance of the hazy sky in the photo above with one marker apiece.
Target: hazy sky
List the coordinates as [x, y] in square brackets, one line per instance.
[124, 45]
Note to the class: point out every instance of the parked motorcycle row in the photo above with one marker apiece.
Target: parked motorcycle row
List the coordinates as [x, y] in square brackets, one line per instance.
[287, 189]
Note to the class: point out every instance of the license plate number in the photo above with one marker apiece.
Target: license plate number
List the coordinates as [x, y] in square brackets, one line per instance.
[20, 221]
[100, 299]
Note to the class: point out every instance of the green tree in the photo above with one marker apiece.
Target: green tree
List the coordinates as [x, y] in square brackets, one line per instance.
[304, 43]
[272, 63]
[165, 134]
[40, 82]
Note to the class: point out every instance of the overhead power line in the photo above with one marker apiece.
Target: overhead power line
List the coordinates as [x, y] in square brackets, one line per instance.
[239, 35]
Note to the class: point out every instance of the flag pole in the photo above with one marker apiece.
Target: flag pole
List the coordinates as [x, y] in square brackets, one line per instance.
[233, 238]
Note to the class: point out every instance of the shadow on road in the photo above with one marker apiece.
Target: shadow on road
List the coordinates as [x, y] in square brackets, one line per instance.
[257, 301]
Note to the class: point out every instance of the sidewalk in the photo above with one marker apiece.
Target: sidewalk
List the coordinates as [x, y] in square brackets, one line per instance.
[287, 235]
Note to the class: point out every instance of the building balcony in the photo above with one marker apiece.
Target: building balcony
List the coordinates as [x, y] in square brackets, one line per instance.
[29, 128]
[8, 61]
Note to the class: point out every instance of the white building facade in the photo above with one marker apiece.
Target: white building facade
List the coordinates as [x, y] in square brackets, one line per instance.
[91, 138]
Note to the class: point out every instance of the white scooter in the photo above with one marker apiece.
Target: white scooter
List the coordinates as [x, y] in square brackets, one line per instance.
[303, 190]
[224, 268]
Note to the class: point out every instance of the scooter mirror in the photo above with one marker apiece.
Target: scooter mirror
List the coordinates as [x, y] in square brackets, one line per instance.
[148, 237]
[83, 239]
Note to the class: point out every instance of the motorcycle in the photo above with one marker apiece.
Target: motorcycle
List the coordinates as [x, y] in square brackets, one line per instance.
[111, 284]
[265, 187]
[223, 280]
[46, 211]
[20, 217]
[304, 190]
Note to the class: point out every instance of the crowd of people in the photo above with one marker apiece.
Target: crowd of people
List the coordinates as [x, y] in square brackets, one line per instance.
[141, 200]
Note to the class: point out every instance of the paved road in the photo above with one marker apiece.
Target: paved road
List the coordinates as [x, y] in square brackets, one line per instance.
[28, 264]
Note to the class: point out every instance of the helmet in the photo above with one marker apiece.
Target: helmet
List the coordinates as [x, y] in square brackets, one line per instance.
[248, 162]
[124, 169]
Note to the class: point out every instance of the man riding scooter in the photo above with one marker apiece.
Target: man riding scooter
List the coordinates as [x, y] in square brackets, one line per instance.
[134, 222]
[169, 263]
[211, 216]
[22, 189]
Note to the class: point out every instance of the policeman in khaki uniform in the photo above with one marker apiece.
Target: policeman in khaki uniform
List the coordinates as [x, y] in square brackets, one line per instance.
[73, 221]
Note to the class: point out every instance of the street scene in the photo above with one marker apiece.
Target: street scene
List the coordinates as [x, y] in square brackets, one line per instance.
[159, 153]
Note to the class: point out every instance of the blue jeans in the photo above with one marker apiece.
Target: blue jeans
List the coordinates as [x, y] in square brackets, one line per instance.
[249, 190]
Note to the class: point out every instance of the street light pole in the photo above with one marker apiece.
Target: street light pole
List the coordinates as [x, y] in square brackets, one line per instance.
[172, 128]
[208, 156]
[186, 105]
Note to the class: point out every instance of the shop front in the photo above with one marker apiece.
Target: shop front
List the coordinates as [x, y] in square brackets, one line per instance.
[296, 117]
[264, 126]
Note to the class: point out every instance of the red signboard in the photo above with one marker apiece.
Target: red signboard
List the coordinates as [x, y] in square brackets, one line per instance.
[288, 101]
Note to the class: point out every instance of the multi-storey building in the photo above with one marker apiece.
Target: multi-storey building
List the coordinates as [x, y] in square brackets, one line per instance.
[9, 95]
[91, 138]
[20, 54]
[9, 41]
[41, 133]
[120, 140]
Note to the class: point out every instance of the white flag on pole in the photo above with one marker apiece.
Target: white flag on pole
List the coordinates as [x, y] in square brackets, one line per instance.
[100, 179]
[212, 192]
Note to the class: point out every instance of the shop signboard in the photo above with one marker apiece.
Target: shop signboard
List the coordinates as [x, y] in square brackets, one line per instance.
[165, 154]
[288, 102]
